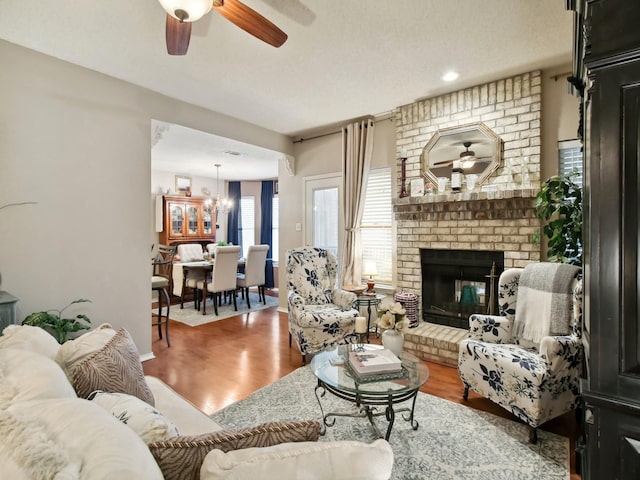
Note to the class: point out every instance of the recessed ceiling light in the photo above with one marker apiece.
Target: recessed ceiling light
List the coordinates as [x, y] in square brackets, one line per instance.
[450, 76]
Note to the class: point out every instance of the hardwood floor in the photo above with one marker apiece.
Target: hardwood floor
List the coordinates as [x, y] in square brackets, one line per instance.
[219, 363]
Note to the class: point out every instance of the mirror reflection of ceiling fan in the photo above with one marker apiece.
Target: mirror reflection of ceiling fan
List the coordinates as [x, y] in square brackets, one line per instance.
[467, 158]
[181, 13]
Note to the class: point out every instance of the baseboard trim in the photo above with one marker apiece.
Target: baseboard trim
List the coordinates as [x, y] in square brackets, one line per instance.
[147, 356]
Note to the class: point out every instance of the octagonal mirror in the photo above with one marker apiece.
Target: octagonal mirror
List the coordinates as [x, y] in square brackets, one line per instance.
[475, 148]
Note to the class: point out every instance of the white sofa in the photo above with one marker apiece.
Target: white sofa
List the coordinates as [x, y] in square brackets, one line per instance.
[84, 411]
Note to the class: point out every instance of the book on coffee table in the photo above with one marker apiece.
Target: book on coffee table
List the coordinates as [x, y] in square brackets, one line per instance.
[372, 362]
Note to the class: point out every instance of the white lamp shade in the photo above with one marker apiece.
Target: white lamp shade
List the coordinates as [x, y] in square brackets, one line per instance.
[195, 8]
[370, 268]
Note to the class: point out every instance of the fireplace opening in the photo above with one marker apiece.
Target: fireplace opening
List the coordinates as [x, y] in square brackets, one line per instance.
[457, 283]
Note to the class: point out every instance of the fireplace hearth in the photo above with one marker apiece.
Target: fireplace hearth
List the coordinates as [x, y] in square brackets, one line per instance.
[457, 283]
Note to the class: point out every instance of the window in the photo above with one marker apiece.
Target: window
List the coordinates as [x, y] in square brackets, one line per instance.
[274, 228]
[570, 159]
[247, 223]
[377, 225]
[326, 211]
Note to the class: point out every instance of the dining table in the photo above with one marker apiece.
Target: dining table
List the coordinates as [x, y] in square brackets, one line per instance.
[199, 270]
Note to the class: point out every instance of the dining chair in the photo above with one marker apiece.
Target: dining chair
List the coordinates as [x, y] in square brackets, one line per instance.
[253, 275]
[160, 281]
[190, 252]
[223, 277]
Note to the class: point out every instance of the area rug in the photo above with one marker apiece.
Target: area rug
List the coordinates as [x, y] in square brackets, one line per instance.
[193, 317]
[451, 442]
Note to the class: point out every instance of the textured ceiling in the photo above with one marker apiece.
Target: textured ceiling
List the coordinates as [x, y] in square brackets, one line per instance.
[343, 59]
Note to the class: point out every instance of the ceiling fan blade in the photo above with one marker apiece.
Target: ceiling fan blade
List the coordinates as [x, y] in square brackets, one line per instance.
[462, 159]
[250, 21]
[445, 162]
[178, 35]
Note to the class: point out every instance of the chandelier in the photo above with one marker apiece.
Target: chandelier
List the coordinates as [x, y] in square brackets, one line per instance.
[223, 204]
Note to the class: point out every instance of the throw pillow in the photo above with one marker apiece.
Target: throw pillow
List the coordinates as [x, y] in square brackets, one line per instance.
[340, 460]
[74, 352]
[180, 458]
[115, 368]
[94, 443]
[142, 418]
[34, 339]
[25, 375]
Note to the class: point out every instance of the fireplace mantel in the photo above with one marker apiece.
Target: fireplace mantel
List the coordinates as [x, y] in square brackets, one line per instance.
[404, 204]
[510, 205]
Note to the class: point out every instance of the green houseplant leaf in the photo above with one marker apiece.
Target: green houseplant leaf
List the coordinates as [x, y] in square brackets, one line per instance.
[53, 322]
[559, 207]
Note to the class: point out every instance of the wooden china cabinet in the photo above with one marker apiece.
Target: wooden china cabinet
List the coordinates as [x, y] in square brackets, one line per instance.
[188, 220]
[607, 73]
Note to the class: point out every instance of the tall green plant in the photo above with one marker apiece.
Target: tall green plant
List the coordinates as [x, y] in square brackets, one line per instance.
[559, 206]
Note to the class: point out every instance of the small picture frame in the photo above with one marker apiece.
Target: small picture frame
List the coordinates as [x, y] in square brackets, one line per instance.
[417, 187]
[183, 184]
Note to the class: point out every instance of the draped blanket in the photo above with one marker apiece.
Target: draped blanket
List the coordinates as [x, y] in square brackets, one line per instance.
[545, 301]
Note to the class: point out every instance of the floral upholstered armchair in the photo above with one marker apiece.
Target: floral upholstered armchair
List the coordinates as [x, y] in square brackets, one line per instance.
[320, 315]
[528, 360]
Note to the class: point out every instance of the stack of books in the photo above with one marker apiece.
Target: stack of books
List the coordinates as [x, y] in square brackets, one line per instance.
[374, 362]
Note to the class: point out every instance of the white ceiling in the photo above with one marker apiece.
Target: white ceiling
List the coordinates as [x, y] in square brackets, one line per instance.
[185, 151]
[343, 59]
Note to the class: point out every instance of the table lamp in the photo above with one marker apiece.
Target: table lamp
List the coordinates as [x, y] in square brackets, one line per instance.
[370, 270]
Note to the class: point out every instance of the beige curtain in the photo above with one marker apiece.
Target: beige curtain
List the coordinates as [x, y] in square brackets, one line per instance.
[357, 150]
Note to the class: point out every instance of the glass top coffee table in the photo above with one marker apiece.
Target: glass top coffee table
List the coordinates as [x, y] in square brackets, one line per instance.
[368, 392]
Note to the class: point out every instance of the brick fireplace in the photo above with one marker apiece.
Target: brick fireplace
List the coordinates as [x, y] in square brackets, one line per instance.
[481, 222]
[502, 220]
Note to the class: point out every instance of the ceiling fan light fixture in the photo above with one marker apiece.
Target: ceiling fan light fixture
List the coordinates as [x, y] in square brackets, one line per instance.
[186, 10]
[469, 162]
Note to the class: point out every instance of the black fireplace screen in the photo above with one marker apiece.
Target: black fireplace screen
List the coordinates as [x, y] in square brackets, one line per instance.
[457, 283]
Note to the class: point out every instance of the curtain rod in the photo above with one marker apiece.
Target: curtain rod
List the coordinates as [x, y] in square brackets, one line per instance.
[301, 139]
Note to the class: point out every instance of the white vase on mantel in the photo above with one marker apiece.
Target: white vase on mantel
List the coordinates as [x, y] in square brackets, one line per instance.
[393, 340]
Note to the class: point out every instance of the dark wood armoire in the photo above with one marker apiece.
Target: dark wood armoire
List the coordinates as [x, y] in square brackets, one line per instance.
[607, 73]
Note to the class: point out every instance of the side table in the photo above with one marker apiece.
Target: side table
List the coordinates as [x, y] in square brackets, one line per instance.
[369, 301]
[7, 310]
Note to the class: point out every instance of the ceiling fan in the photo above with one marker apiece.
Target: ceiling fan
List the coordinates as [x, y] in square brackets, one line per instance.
[467, 158]
[181, 13]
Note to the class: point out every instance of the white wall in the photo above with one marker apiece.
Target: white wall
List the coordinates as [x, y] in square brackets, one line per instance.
[79, 144]
[560, 116]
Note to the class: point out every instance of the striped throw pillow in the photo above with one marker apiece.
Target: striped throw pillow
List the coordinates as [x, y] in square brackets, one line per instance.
[180, 458]
[115, 368]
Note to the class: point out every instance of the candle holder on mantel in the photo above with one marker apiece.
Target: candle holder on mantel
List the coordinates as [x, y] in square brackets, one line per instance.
[403, 178]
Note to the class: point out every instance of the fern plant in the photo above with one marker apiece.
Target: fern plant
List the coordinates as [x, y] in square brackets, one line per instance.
[559, 206]
[59, 327]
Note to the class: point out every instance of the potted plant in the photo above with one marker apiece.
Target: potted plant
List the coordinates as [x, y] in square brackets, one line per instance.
[559, 206]
[59, 327]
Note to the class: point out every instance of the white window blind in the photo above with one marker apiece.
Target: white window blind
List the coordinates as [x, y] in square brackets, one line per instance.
[570, 159]
[275, 232]
[247, 223]
[377, 224]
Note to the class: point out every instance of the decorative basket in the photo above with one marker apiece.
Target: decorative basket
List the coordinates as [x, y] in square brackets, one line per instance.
[410, 303]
